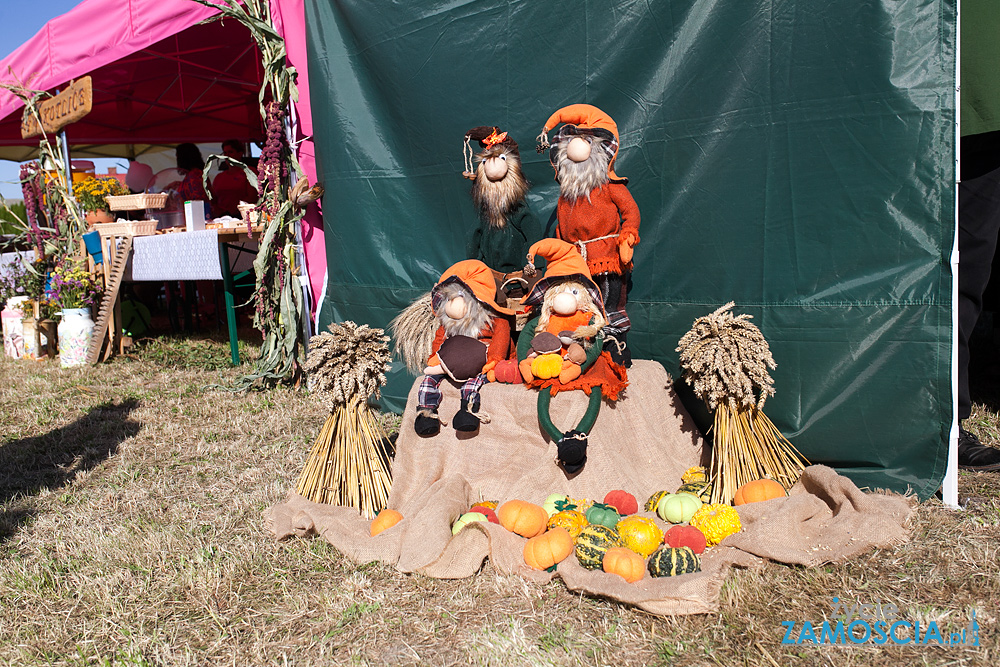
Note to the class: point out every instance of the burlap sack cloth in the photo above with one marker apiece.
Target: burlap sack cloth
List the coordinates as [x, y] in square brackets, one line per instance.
[642, 444]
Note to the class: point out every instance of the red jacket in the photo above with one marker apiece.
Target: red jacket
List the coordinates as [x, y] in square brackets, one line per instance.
[610, 211]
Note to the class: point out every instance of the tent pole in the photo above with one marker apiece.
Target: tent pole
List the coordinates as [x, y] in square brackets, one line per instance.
[949, 487]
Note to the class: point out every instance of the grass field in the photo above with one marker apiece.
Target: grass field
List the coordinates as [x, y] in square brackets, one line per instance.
[131, 533]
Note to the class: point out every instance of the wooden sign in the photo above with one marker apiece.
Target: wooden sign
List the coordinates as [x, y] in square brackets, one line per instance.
[59, 111]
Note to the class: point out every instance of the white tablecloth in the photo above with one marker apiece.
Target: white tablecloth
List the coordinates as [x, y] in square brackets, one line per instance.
[178, 256]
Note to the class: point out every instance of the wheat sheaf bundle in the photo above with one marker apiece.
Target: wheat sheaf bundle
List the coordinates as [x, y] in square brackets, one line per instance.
[349, 462]
[726, 360]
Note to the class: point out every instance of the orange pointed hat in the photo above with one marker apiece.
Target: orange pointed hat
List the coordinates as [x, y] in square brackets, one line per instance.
[585, 119]
[477, 278]
[563, 262]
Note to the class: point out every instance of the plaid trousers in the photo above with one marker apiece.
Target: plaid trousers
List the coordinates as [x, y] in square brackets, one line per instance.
[429, 391]
[614, 290]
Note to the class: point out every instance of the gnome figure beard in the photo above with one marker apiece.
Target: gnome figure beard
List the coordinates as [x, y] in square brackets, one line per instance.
[475, 318]
[494, 199]
[579, 179]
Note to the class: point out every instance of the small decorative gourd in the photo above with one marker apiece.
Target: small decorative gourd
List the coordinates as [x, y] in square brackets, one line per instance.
[678, 507]
[623, 501]
[490, 515]
[387, 518]
[556, 502]
[465, 520]
[572, 520]
[524, 518]
[685, 536]
[491, 504]
[546, 366]
[694, 474]
[640, 534]
[654, 500]
[593, 543]
[670, 562]
[717, 521]
[702, 490]
[548, 549]
[602, 515]
[757, 491]
[506, 371]
[625, 563]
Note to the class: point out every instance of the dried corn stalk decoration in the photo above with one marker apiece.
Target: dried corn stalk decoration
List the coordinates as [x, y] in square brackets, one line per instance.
[349, 462]
[278, 302]
[726, 360]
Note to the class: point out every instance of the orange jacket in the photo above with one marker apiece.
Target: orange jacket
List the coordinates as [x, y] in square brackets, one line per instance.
[610, 211]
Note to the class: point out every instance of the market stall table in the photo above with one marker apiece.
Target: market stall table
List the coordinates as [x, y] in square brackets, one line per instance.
[197, 255]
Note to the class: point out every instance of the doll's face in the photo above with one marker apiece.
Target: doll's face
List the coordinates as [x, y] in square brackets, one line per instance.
[456, 308]
[495, 168]
[578, 149]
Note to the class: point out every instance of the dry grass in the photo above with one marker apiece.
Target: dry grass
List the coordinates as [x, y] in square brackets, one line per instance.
[131, 534]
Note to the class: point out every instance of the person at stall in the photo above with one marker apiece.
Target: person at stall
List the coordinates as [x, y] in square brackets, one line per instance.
[191, 164]
[231, 186]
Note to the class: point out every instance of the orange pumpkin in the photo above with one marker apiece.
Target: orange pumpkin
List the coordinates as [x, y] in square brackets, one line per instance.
[625, 563]
[524, 518]
[547, 549]
[758, 490]
[386, 519]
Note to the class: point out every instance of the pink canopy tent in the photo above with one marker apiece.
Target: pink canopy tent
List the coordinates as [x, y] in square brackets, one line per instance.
[161, 78]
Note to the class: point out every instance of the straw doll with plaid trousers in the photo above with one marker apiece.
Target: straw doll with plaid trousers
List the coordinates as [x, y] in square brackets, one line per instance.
[472, 336]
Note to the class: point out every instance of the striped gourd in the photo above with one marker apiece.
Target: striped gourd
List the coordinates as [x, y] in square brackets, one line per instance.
[654, 500]
[593, 543]
[701, 490]
[670, 562]
[572, 520]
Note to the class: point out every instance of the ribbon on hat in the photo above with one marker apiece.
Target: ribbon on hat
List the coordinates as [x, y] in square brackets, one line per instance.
[494, 139]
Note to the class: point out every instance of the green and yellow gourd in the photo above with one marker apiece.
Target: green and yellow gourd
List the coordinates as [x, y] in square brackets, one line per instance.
[654, 500]
[702, 490]
[670, 562]
[593, 543]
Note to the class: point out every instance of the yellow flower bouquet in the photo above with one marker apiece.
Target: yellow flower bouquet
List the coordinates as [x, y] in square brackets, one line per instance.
[92, 193]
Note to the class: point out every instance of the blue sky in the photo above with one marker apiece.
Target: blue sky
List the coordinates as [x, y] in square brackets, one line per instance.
[20, 20]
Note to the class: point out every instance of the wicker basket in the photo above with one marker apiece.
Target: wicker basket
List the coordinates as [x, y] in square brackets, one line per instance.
[136, 202]
[126, 228]
[248, 213]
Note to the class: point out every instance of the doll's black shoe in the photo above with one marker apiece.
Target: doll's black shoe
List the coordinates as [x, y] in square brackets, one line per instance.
[427, 423]
[466, 418]
[572, 451]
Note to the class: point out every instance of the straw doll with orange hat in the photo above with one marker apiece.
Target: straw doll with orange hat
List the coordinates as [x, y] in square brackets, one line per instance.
[473, 334]
[596, 212]
[561, 348]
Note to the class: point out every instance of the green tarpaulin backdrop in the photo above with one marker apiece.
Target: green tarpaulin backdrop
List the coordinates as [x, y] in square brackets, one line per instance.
[794, 157]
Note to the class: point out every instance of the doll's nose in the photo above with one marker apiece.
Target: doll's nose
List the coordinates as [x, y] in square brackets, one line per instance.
[578, 149]
[495, 168]
[564, 304]
[455, 309]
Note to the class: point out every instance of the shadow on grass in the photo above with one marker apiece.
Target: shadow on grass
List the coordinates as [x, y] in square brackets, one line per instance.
[52, 460]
